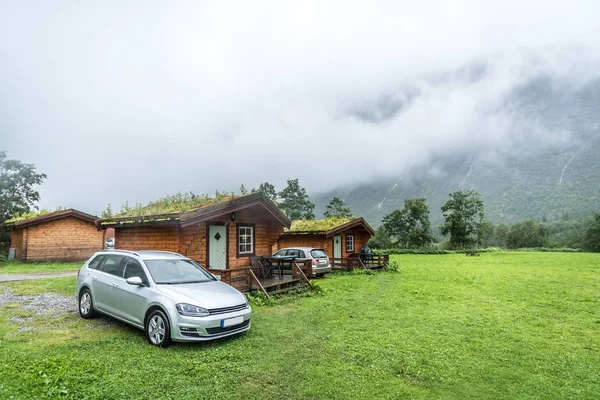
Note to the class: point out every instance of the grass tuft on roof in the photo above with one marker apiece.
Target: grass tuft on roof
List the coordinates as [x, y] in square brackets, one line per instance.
[33, 214]
[179, 202]
[317, 225]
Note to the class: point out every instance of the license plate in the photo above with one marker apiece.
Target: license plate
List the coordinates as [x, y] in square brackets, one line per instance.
[231, 321]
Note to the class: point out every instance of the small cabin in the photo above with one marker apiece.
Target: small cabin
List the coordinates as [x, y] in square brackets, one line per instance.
[342, 239]
[66, 235]
[222, 236]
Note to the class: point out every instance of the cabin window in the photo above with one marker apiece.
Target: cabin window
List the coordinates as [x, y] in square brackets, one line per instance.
[245, 240]
[349, 243]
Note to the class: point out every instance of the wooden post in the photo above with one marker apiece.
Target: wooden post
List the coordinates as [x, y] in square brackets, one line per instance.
[304, 276]
[259, 284]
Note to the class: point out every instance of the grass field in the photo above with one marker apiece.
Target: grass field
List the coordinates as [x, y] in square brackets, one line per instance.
[17, 267]
[498, 326]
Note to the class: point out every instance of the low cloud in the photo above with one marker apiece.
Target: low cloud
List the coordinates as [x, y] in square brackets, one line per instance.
[134, 102]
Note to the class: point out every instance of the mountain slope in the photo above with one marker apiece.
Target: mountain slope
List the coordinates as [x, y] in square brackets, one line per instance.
[550, 168]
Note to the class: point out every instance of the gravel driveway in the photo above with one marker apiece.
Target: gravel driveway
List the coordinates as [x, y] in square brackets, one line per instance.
[28, 277]
[41, 305]
[49, 305]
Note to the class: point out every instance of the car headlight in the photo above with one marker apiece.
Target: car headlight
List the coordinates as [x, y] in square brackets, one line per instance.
[191, 311]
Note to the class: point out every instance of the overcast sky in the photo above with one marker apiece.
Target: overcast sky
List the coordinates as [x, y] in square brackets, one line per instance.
[123, 100]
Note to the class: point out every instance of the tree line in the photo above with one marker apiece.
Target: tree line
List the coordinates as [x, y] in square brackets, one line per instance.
[465, 227]
[294, 201]
[464, 223]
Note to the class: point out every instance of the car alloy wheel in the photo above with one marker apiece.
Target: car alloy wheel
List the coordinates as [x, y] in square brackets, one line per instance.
[157, 329]
[86, 306]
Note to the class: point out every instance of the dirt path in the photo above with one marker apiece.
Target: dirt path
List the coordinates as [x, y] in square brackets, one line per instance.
[28, 277]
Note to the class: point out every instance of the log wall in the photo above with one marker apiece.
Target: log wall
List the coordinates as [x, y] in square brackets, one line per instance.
[318, 241]
[66, 239]
[164, 238]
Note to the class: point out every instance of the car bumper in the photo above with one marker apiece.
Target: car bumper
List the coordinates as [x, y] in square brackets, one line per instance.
[198, 329]
[321, 270]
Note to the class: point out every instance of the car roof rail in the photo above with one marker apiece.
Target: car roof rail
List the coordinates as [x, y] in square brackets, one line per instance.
[162, 251]
[122, 251]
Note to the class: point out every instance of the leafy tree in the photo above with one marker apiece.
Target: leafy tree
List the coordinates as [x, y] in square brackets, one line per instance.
[243, 190]
[17, 181]
[108, 212]
[463, 215]
[592, 235]
[337, 209]
[409, 227]
[268, 190]
[17, 192]
[485, 232]
[527, 234]
[295, 202]
[380, 240]
[500, 235]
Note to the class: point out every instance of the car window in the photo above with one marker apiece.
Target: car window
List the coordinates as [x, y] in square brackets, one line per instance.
[318, 253]
[295, 253]
[95, 262]
[134, 268]
[280, 253]
[177, 271]
[112, 265]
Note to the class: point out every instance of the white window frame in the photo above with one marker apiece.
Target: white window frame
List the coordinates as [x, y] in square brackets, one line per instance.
[248, 233]
[350, 249]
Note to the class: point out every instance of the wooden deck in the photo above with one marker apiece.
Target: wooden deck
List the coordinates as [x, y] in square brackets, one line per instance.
[261, 277]
[268, 283]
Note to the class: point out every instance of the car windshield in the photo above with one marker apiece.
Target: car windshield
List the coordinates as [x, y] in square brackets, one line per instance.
[318, 253]
[174, 272]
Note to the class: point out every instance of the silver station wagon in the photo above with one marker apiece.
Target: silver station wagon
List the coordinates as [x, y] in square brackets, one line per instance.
[169, 296]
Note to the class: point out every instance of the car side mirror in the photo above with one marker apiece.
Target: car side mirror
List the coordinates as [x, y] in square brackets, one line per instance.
[135, 280]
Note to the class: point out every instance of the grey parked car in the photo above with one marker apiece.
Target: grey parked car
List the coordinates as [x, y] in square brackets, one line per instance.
[320, 261]
[166, 294]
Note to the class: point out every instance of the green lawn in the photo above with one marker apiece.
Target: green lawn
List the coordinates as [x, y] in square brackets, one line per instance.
[498, 326]
[17, 267]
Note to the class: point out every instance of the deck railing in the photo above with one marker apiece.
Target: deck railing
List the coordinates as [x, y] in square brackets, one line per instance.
[241, 277]
[355, 262]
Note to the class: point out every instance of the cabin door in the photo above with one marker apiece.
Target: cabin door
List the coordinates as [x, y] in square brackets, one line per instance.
[337, 246]
[217, 247]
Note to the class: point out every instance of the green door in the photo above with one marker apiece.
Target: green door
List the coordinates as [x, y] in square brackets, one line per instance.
[337, 246]
[217, 247]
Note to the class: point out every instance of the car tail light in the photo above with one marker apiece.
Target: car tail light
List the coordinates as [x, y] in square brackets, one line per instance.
[314, 262]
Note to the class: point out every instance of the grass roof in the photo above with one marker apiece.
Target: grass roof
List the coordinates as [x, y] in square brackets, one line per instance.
[317, 225]
[33, 214]
[179, 202]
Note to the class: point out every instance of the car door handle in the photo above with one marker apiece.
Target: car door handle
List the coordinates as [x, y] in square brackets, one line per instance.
[95, 278]
[115, 284]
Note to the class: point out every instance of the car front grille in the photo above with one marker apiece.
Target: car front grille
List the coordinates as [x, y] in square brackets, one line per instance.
[214, 331]
[225, 310]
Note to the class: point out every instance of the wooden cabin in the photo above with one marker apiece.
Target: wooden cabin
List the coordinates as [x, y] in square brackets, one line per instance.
[342, 240]
[221, 236]
[66, 235]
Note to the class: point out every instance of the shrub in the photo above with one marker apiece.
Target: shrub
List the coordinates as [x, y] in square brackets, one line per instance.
[436, 251]
[550, 250]
[393, 266]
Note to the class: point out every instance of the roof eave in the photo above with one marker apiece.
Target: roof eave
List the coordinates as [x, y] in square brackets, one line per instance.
[52, 217]
[213, 211]
[141, 220]
[352, 224]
